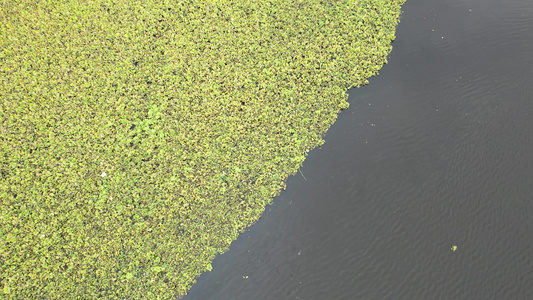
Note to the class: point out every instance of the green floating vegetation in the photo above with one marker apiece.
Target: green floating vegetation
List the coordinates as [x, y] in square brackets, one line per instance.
[138, 138]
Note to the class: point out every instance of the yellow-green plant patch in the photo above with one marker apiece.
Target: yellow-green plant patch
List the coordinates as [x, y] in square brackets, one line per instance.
[138, 138]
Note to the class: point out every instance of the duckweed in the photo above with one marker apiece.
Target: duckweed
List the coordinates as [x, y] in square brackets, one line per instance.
[138, 138]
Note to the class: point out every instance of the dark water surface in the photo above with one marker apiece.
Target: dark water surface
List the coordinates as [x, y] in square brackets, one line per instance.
[436, 151]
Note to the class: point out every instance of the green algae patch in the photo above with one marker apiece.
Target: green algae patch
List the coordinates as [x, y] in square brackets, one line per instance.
[138, 138]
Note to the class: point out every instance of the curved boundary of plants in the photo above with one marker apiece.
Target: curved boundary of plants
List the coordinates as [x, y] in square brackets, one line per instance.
[138, 138]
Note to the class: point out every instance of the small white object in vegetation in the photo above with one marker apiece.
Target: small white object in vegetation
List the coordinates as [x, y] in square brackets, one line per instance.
[103, 174]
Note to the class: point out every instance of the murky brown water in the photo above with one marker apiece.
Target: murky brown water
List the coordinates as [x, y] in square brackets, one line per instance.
[436, 151]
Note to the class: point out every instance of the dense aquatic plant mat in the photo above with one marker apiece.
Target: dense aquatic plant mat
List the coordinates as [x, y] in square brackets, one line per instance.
[138, 138]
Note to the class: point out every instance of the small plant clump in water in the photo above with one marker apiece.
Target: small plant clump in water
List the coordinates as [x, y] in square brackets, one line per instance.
[138, 138]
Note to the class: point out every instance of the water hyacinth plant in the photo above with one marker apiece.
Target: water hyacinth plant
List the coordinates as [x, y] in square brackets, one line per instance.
[138, 138]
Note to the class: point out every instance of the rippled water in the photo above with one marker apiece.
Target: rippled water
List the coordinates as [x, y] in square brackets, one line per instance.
[436, 151]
